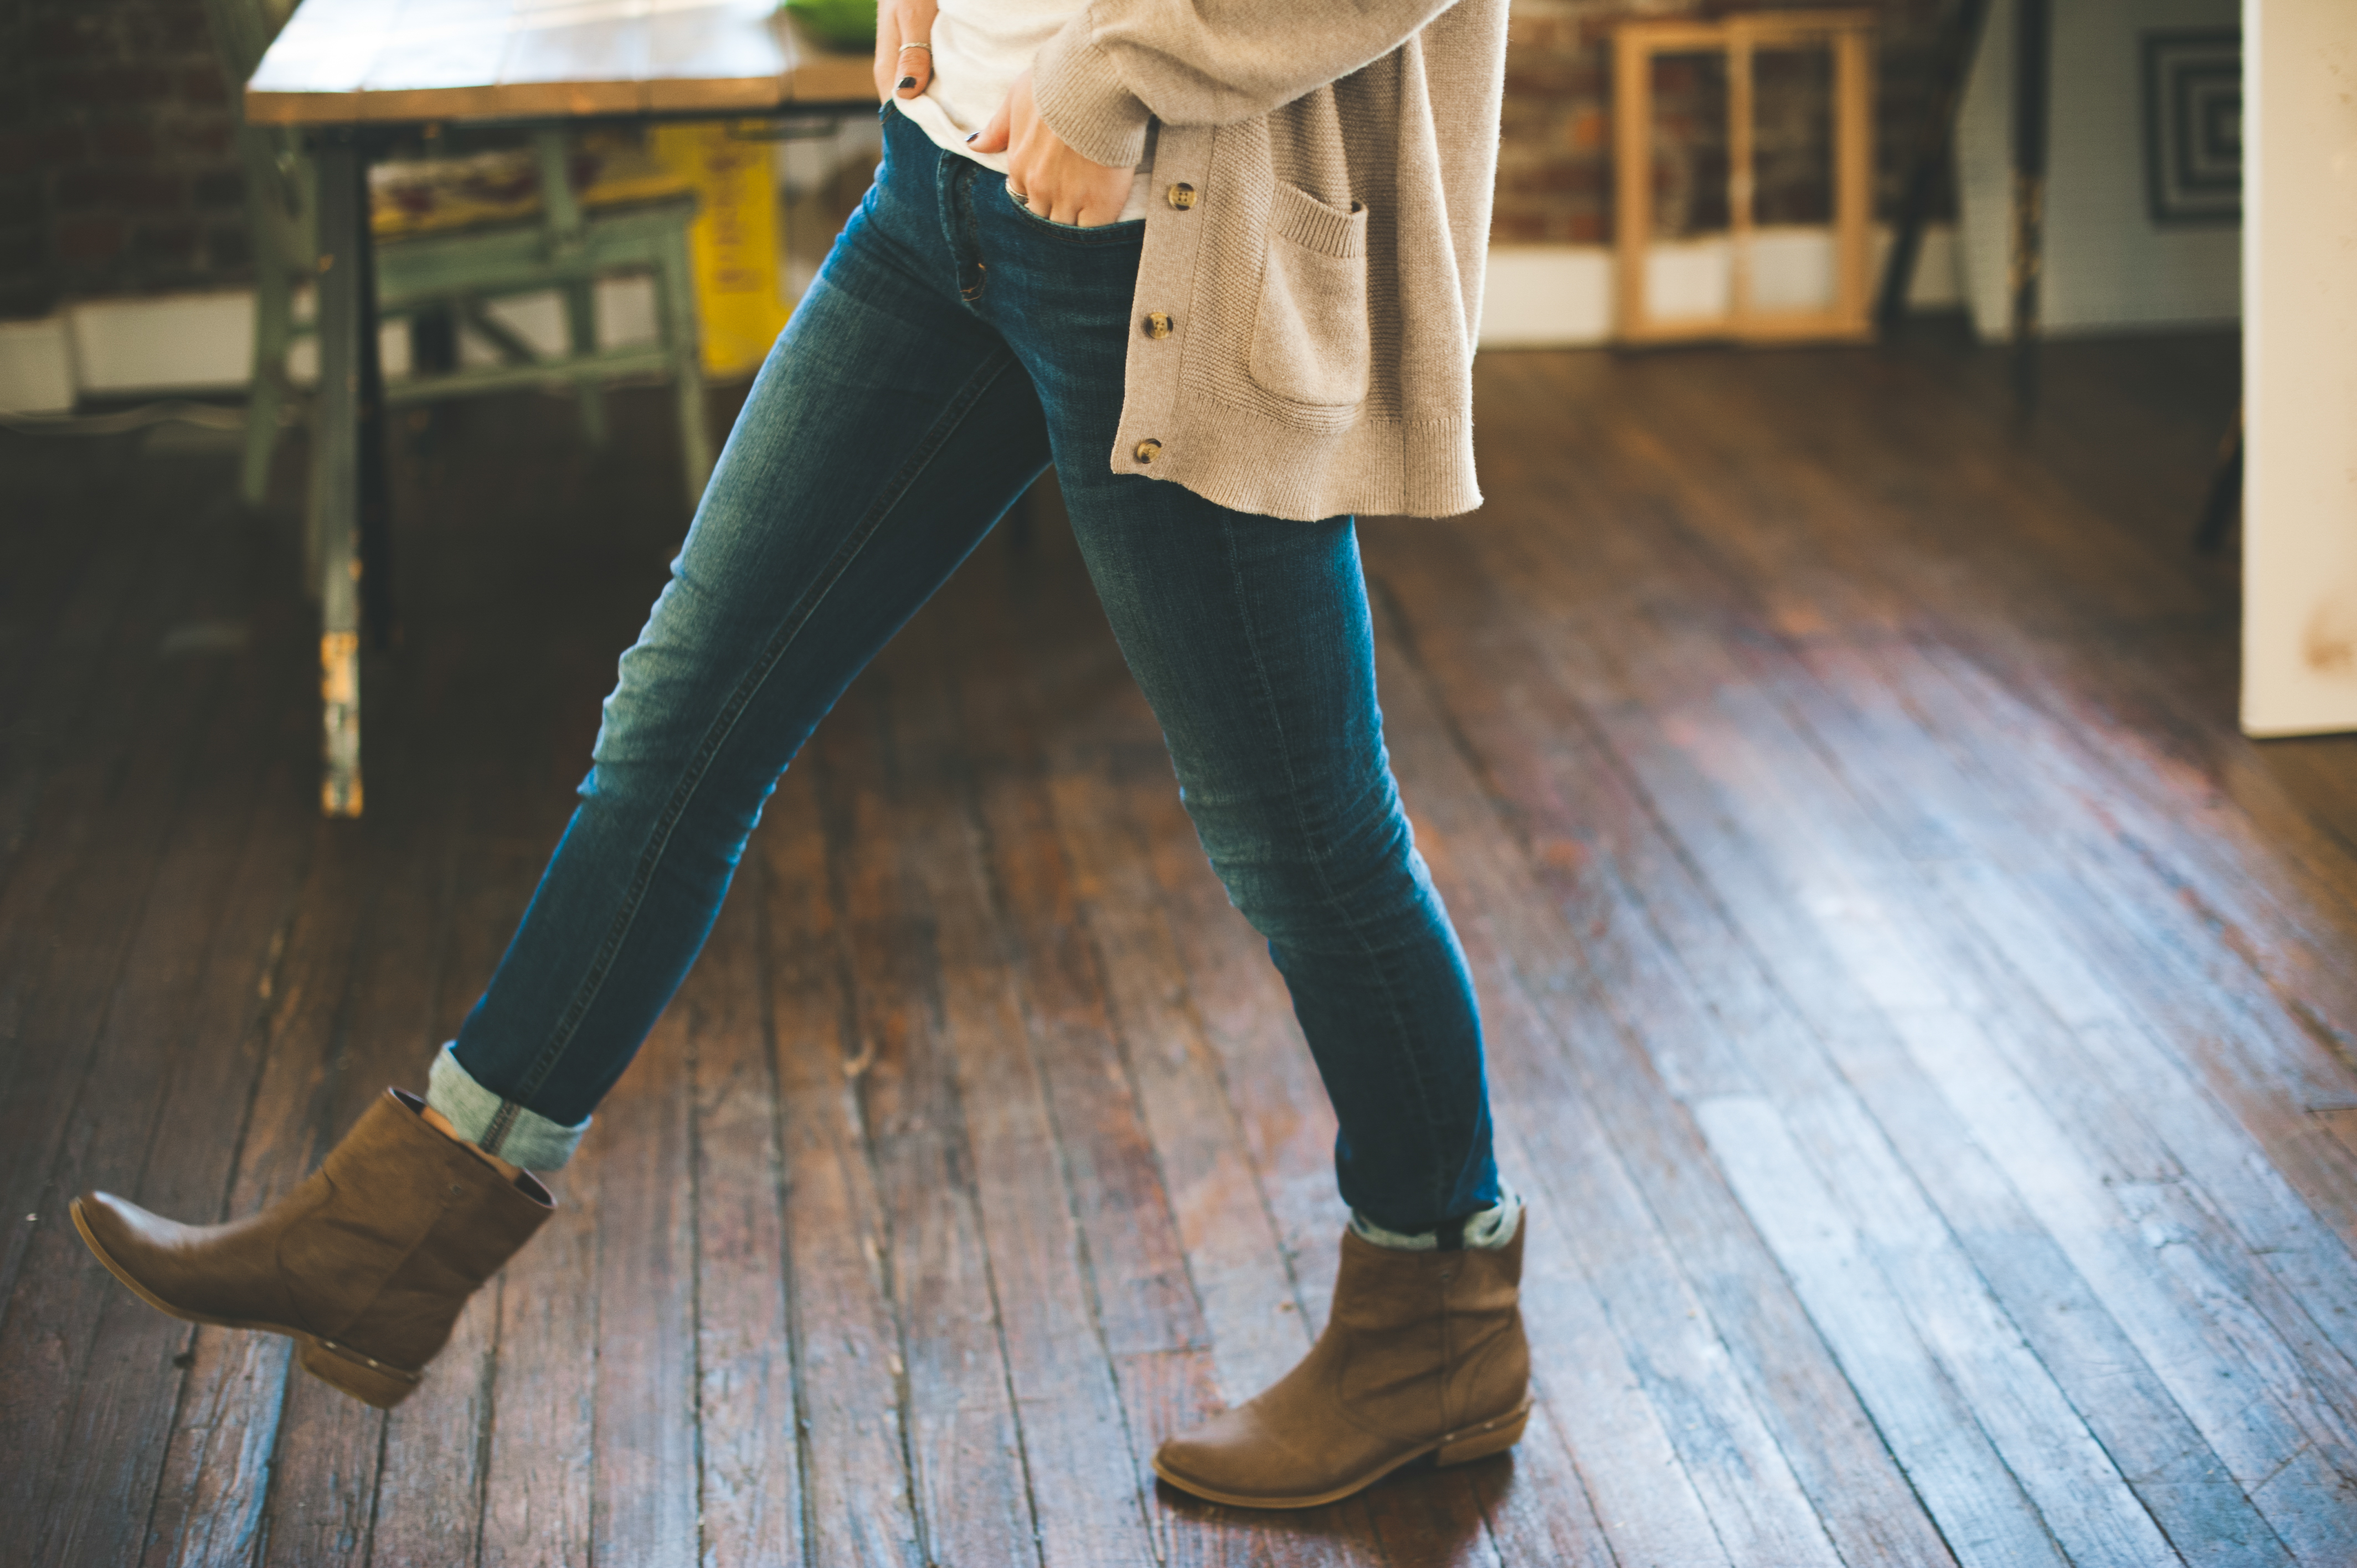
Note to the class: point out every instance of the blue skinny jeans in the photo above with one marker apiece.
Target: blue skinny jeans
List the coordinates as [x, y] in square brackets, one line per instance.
[952, 347]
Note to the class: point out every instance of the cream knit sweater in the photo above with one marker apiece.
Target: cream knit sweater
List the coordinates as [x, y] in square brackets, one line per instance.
[1311, 280]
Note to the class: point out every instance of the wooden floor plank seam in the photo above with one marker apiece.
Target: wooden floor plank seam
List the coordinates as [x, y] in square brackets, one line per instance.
[137, 1018]
[1477, 762]
[978, 829]
[1754, 772]
[1922, 1026]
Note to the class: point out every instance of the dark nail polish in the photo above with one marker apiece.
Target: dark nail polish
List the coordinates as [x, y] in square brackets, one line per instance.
[970, 135]
[908, 81]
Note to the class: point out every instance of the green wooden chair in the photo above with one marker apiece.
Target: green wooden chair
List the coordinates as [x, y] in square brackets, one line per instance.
[446, 267]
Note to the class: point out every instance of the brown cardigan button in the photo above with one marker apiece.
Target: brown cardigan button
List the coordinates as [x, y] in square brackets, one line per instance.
[1158, 324]
[1181, 196]
[1146, 449]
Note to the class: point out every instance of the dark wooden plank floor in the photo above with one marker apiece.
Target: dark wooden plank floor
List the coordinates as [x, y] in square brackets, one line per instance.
[1925, 1029]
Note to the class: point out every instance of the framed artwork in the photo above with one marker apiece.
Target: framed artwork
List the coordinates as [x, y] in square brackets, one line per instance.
[2193, 125]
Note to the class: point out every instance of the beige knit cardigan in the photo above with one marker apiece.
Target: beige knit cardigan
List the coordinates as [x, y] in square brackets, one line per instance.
[1311, 280]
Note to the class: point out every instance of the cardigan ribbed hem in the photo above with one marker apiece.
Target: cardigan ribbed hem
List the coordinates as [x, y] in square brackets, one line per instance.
[1380, 468]
[1079, 94]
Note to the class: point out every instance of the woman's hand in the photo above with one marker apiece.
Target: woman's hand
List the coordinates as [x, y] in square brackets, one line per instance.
[1045, 174]
[904, 54]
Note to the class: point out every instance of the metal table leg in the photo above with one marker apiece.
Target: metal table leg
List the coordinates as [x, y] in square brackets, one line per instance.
[2033, 53]
[2224, 502]
[344, 309]
[376, 494]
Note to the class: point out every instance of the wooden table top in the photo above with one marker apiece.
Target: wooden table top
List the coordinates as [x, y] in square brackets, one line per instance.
[346, 61]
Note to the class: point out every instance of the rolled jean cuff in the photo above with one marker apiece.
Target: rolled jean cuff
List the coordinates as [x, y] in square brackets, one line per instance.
[495, 1125]
[1489, 1227]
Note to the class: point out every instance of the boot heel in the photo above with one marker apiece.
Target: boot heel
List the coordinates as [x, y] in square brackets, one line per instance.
[348, 1371]
[1481, 1442]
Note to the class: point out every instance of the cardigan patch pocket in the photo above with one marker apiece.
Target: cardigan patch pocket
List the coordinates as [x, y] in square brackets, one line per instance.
[1311, 343]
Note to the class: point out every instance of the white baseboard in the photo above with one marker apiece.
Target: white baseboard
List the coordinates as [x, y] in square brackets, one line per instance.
[1537, 297]
[1558, 296]
[176, 344]
[1546, 297]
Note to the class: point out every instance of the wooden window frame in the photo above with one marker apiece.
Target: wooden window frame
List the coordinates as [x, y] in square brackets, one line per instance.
[1848, 35]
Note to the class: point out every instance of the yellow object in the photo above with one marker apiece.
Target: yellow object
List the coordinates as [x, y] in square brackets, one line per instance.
[733, 242]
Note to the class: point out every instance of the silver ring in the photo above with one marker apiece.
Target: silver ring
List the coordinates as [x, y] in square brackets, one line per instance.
[906, 48]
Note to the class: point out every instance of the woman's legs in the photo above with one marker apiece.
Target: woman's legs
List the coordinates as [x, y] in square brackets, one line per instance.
[1251, 638]
[885, 435]
[1251, 641]
[954, 339]
[887, 432]
[952, 343]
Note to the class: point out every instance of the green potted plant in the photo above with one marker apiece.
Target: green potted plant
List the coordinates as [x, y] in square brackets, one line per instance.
[836, 24]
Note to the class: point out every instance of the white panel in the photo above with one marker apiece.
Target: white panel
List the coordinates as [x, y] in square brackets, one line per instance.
[2299, 348]
[1686, 278]
[1792, 268]
[537, 319]
[626, 312]
[36, 371]
[303, 354]
[1546, 295]
[173, 342]
[1939, 281]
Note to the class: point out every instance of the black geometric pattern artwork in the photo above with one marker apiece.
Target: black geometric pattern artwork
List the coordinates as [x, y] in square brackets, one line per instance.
[2193, 125]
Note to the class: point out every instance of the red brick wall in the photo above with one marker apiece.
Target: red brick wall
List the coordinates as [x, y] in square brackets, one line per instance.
[118, 174]
[1554, 163]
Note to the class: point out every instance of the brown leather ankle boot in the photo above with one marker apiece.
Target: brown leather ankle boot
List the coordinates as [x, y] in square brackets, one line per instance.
[365, 1265]
[1424, 1356]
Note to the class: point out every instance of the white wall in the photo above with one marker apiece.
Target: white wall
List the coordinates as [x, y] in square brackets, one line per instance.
[2299, 366]
[160, 345]
[2108, 265]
